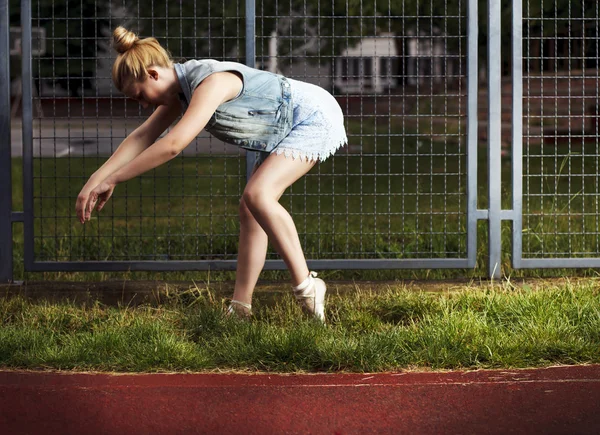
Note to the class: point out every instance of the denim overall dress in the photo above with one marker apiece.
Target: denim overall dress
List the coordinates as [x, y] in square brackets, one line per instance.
[271, 114]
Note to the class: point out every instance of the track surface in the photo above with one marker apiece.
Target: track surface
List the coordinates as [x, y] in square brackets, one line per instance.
[553, 400]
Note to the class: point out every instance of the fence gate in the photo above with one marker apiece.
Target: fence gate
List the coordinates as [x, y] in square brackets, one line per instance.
[402, 194]
[556, 156]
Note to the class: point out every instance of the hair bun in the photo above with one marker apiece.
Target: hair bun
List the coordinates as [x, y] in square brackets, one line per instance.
[123, 39]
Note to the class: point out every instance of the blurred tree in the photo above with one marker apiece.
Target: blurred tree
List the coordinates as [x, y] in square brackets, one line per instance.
[191, 29]
[77, 30]
[73, 31]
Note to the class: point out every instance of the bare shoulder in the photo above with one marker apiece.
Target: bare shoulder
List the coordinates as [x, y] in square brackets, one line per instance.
[230, 81]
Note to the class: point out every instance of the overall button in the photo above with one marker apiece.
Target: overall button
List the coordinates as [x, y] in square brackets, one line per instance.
[263, 145]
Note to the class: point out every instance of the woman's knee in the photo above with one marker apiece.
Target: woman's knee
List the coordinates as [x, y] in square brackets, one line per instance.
[257, 199]
[246, 217]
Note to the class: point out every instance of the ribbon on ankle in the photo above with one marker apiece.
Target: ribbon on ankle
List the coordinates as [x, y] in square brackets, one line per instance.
[307, 282]
[243, 304]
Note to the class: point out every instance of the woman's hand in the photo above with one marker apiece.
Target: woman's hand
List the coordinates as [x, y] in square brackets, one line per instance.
[86, 201]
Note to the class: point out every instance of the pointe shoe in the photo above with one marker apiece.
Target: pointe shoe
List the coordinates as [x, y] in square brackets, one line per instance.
[311, 296]
[240, 309]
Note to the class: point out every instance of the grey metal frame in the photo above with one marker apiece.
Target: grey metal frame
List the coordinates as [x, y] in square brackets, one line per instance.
[251, 62]
[517, 134]
[516, 215]
[494, 138]
[493, 214]
[6, 253]
[27, 125]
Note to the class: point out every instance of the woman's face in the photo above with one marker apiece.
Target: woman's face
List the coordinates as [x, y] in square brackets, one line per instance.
[152, 91]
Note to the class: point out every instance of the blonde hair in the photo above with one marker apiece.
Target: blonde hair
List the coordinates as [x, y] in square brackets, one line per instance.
[135, 56]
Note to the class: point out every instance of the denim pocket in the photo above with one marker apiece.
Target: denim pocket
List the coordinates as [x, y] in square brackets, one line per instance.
[261, 112]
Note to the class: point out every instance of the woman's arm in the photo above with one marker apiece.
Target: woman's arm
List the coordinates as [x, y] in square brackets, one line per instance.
[140, 139]
[210, 94]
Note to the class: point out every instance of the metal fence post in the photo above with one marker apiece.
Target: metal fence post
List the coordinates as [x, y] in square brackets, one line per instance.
[494, 137]
[27, 131]
[472, 135]
[6, 252]
[251, 62]
[517, 133]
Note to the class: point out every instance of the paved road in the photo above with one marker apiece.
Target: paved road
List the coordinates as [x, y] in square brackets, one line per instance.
[92, 137]
[100, 137]
[554, 400]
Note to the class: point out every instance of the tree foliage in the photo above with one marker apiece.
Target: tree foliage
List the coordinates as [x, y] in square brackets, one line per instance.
[79, 30]
[74, 34]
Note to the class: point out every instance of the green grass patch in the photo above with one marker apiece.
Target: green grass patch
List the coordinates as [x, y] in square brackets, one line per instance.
[499, 326]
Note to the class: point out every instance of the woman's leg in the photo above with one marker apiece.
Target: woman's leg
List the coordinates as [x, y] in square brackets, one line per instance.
[252, 252]
[261, 197]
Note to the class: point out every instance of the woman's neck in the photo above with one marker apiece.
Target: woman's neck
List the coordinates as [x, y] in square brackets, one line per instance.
[174, 85]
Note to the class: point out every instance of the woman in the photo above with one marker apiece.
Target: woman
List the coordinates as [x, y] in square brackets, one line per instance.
[291, 123]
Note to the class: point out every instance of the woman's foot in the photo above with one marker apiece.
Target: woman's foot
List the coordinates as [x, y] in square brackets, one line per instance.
[240, 309]
[311, 296]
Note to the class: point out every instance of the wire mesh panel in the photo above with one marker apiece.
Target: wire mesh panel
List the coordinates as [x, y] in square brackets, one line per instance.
[398, 70]
[398, 190]
[560, 82]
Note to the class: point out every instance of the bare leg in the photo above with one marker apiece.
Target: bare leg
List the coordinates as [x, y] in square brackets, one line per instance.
[261, 196]
[252, 252]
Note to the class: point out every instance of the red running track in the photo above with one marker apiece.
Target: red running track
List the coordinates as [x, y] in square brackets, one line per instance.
[553, 400]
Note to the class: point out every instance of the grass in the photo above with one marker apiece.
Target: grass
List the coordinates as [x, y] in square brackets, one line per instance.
[467, 327]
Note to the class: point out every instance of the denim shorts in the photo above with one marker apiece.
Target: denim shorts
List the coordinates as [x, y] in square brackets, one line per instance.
[317, 126]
